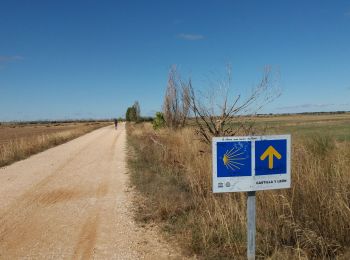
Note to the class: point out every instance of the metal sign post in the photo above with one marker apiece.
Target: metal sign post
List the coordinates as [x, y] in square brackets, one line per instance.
[251, 210]
[251, 163]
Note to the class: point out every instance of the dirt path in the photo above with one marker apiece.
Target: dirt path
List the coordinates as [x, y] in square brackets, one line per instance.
[72, 202]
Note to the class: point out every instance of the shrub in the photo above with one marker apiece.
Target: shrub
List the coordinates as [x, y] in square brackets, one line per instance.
[158, 121]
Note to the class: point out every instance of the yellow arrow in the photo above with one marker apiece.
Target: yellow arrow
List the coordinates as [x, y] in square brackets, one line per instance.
[270, 152]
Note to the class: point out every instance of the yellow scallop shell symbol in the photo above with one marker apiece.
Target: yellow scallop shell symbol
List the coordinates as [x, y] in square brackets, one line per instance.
[232, 158]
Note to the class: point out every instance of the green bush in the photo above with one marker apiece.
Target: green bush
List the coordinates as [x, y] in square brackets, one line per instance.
[159, 121]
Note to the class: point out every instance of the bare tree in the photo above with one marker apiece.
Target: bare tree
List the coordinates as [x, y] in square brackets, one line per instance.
[176, 106]
[137, 110]
[224, 113]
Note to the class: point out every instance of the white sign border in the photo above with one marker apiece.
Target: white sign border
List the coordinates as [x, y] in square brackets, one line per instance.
[251, 183]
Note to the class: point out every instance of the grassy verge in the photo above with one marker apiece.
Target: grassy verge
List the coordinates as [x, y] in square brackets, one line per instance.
[16, 149]
[311, 220]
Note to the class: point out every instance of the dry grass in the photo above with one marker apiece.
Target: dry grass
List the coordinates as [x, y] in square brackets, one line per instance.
[311, 220]
[18, 142]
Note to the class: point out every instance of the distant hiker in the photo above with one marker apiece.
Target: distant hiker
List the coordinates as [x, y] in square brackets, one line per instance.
[115, 123]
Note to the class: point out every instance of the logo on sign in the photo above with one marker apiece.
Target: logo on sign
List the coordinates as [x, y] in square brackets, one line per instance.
[233, 159]
[270, 157]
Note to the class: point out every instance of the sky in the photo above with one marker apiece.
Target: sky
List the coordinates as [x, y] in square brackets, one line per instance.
[92, 59]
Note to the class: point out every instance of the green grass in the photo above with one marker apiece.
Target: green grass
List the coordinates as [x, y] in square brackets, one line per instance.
[340, 130]
[303, 126]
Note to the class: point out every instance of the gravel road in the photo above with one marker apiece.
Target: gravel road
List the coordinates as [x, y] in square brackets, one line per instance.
[73, 202]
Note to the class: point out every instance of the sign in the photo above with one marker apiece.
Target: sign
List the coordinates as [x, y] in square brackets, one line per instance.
[251, 163]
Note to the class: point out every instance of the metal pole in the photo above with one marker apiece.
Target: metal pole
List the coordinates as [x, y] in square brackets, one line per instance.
[251, 225]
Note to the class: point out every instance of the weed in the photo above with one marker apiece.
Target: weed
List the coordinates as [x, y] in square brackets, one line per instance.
[172, 170]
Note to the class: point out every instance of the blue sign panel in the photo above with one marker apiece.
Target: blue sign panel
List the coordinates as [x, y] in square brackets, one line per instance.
[270, 157]
[234, 159]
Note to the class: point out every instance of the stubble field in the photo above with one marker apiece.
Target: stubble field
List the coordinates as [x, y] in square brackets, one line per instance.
[20, 140]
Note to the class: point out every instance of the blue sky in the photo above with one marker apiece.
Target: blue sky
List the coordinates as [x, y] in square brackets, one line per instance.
[92, 59]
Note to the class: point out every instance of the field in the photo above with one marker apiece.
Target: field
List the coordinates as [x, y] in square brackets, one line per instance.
[172, 171]
[305, 126]
[20, 140]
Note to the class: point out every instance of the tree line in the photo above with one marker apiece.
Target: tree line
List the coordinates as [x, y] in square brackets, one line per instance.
[133, 114]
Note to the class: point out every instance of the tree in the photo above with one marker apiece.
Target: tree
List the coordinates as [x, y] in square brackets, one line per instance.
[133, 113]
[176, 104]
[224, 113]
[130, 114]
[137, 111]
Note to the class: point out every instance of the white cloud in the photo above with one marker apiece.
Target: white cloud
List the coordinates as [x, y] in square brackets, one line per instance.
[190, 37]
[10, 58]
[306, 106]
[4, 60]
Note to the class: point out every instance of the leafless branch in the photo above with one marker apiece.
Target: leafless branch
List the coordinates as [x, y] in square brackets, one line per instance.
[221, 117]
[177, 100]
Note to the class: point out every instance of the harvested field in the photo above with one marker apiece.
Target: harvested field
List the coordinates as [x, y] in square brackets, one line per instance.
[304, 125]
[18, 141]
